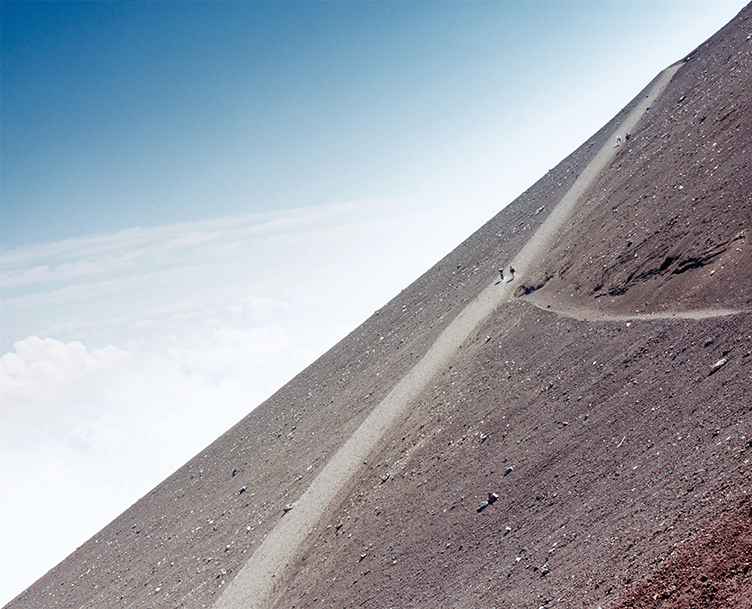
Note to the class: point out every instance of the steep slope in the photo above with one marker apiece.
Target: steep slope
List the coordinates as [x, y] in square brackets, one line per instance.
[604, 422]
[264, 576]
[171, 547]
[667, 227]
[617, 446]
[613, 467]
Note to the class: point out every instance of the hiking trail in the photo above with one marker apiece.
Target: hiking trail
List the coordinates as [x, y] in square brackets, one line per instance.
[263, 578]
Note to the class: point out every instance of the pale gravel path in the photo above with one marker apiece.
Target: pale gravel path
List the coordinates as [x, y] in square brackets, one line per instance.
[585, 314]
[263, 578]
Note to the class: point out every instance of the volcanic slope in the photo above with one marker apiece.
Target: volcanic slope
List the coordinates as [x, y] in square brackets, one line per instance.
[607, 406]
[264, 576]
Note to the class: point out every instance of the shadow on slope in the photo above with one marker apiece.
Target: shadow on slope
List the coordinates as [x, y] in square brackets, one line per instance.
[668, 226]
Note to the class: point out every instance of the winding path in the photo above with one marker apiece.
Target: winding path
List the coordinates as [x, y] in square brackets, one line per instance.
[584, 314]
[263, 578]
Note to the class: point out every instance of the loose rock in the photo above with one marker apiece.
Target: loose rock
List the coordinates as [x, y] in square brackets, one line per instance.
[718, 365]
[492, 497]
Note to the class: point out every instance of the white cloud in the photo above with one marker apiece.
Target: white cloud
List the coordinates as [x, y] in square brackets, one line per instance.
[138, 277]
[259, 308]
[176, 307]
[97, 429]
[36, 375]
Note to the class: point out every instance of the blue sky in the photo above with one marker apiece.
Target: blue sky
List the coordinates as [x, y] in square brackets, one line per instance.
[118, 115]
[124, 115]
[200, 198]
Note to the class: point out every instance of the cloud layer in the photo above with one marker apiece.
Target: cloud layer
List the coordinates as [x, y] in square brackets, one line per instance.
[132, 351]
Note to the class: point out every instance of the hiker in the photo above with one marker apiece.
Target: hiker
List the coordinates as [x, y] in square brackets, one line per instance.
[501, 274]
[511, 272]
[626, 137]
[618, 140]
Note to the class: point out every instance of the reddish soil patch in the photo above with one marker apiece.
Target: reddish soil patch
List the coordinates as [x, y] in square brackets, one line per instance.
[713, 571]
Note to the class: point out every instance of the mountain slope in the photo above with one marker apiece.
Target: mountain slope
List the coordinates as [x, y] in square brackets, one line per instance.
[592, 404]
[676, 201]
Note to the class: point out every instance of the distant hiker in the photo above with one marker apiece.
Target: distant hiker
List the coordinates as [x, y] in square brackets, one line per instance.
[626, 137]
[511, 272]
[618, 140]
[501, 274]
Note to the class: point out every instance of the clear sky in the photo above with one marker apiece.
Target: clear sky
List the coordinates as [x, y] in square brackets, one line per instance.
[199, 198]
[134, 114]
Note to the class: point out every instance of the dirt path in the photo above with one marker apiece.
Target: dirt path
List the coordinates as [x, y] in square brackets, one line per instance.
[583, 314]
[540, 243]
[263, 578]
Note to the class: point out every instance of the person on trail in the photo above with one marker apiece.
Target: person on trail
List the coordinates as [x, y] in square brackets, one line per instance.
[511, 272]
[618, 140]
[501, 274]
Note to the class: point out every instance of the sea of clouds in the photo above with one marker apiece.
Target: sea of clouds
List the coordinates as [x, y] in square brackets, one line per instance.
[124, 354]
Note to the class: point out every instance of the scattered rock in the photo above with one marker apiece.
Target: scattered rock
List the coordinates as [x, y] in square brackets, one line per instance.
[241, 490]
[288, 507]
[508, 470]
[718, 365]
[384, 478]
[544, 570]
[492, 497]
